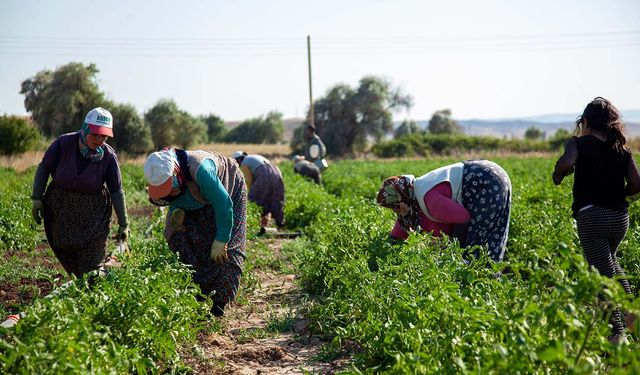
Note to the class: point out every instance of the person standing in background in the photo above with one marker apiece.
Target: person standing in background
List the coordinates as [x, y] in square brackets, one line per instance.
[86, 182]
[316, 150]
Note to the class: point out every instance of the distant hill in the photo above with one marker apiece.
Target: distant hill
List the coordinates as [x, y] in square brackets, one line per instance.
[505, 127]
[550, 123]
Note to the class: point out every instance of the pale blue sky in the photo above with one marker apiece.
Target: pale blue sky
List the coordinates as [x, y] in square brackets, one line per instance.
[241, 59]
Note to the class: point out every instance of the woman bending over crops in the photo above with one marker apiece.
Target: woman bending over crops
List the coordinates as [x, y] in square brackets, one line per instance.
[470, 200]
[306, 169]
[602, 163]
[76, 207]
[265, 184]
[206, 223]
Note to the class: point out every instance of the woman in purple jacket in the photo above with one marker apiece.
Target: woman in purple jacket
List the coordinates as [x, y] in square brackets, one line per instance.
[76, 206]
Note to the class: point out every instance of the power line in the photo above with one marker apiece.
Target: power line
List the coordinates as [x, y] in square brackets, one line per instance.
[229, 47]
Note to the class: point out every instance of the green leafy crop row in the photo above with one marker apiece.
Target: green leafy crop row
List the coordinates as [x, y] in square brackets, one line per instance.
[418, 308]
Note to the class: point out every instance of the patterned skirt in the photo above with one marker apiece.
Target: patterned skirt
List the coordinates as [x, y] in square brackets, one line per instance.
[486, 194]
[77, 227]
[193, 246]
[267, 191]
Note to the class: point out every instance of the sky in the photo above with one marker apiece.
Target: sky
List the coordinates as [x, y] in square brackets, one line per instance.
[241, 59]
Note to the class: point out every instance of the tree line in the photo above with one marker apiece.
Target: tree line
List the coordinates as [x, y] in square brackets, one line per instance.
[58, 101]
[348, 119]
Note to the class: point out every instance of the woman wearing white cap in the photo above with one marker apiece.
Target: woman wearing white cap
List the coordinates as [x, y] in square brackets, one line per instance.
[76, 207]
[265, 184]
[206, 223]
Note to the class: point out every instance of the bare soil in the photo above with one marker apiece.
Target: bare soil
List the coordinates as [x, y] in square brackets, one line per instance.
[248, 343]
[14, 295]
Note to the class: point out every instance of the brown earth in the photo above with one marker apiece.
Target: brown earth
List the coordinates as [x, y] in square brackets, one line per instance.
[248, 343]
[19, 293]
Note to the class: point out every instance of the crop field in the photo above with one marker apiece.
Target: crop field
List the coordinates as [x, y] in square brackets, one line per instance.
[412, 307]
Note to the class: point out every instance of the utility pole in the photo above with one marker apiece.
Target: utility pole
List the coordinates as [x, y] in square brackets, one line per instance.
[311, 114]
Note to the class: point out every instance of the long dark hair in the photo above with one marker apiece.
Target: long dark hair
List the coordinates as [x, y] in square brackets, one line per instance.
[601, 115]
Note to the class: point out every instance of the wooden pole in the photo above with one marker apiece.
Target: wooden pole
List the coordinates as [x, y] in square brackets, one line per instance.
[311, 114]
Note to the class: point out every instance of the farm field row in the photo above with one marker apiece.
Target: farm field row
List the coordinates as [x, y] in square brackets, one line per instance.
[404, 308]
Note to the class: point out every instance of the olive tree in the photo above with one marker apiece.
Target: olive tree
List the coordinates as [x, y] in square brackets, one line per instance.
[170, 125]
[441, 122]
[131, 133]
[347, 116]
[58, 100]
[263, 129]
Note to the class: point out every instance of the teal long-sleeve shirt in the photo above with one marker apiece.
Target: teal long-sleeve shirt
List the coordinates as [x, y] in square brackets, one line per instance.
[213, 190]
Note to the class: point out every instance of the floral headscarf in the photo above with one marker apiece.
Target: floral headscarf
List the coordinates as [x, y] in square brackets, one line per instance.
[94, 155]
[400, 189]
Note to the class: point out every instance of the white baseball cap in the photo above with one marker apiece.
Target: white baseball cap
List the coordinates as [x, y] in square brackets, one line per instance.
[100, 121]
[238, 154]
[158, 171]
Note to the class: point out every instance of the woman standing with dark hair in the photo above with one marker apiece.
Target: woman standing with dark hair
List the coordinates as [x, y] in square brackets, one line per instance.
[602, 164]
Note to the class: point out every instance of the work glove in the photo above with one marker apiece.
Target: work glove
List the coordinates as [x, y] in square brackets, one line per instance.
[37, 210]
[176, 220]
[123, 232]
[264, 220]
[219, 252]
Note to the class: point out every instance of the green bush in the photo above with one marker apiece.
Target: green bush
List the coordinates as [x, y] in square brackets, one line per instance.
[17, 135]
[263, 129]
[423, 144]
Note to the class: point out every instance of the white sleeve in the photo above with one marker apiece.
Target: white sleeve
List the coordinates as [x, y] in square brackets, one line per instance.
[314, 151]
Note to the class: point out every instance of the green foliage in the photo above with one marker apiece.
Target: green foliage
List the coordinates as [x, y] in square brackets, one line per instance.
[345, 117]
[17, 228]
[133, 320]
[18, 135]
[58, 100]
[441, 122]
[268, 129]
[171, 126]
[416, 307]
[534, 133]
[216, 129]
[130, 132]
[298, 141]
[191, 131]
[412, 307]
[559, 139]
[445, 144]
[406, 127]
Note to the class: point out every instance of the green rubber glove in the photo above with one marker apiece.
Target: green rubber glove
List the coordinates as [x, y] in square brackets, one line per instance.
[123, 232]
[37, 210]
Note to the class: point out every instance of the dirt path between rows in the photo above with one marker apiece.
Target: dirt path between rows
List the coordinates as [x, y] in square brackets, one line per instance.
[266, 334]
